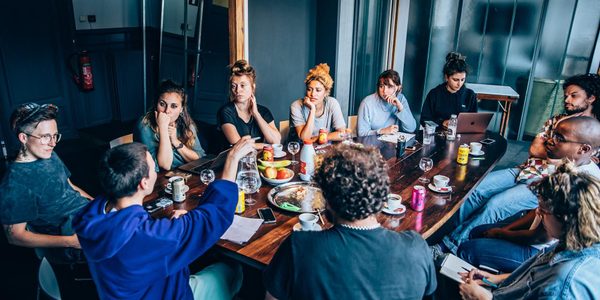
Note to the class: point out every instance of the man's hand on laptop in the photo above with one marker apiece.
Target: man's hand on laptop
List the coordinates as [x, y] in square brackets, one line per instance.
[244, 146]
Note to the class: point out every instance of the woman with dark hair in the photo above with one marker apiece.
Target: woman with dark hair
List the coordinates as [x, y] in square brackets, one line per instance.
[317, 110]
[168, 129]
[387, 110]
[356, 258]
[243, 115]
[37, 199]
[450, 97]
[570, 212]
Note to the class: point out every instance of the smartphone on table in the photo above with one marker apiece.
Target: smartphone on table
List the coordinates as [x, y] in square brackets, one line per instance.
[266, 213]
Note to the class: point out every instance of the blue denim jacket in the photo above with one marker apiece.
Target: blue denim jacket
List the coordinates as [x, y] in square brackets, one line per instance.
[550, 275]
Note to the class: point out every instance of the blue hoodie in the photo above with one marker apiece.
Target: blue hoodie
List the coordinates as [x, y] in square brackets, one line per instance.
[133, 256]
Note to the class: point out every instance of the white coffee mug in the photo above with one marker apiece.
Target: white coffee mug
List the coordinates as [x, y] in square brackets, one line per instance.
[440, 181]
[475, 147]
[173, 178]
[394, 201]
[277, 148]
[308, 221]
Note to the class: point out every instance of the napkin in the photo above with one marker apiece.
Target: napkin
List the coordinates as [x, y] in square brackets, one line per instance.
[242, 229]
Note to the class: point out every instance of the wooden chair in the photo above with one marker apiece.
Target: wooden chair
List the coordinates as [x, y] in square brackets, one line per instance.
[126, 139]
[353, 124]
[284, 129]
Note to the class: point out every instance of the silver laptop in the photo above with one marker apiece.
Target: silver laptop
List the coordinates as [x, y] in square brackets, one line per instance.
[473, 122]
[214, 163]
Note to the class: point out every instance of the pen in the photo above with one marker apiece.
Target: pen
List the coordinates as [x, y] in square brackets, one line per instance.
[254, 138]
[485, 280]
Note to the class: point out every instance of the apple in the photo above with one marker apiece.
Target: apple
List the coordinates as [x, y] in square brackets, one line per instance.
[270, 172]
[282, 173]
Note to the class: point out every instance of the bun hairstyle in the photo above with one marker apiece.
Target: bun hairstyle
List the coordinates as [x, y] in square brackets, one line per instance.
[455, 63]
[320, 73]
[241, 68]
[572, 198]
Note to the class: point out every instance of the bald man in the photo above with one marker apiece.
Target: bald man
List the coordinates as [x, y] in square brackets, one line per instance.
[574, 138]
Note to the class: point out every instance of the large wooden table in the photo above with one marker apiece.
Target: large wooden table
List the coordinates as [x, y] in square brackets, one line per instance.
[404, 174]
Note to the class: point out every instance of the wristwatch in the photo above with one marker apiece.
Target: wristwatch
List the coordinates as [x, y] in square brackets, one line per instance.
[179, 146]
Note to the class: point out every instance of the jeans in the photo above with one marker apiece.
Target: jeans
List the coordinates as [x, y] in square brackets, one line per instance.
[497, 197]
[498, 254]
[217, 281]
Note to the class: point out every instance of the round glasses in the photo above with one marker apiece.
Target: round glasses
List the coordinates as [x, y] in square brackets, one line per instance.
[46, 138]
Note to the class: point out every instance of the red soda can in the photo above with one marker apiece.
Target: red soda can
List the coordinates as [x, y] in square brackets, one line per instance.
[417, 202]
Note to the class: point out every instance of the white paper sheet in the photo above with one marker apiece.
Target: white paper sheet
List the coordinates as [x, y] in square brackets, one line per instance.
[242, 229]
[393, 138]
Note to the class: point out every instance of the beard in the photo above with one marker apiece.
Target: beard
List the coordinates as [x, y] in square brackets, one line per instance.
[576, 109]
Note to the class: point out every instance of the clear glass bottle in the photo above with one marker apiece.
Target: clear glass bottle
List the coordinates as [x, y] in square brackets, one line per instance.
[452, 124]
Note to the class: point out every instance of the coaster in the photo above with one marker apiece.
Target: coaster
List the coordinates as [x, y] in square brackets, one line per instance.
[298, 227]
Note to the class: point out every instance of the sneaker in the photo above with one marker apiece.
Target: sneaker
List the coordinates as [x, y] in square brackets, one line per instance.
[437, 252]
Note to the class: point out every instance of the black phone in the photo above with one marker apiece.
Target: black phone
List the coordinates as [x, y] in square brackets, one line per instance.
[487, 141]
[266, 213]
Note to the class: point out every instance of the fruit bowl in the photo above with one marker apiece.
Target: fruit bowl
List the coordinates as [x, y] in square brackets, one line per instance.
[275, 181]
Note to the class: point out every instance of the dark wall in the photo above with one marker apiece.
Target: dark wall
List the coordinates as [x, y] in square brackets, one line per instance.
[326, 34]
[282, 49]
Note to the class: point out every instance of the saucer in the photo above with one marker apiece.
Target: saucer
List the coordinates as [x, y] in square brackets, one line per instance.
[298, 227]
[398, 211]
[279, 154]
[480, 153]
[443, 190]
[185, 189]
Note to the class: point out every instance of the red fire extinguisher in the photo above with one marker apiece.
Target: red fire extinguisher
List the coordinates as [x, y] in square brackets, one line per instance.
[83, 77]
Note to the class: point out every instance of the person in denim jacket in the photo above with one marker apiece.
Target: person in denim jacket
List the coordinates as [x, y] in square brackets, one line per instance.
[570, 212]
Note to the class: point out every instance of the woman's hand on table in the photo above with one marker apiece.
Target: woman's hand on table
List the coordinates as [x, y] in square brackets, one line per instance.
[178, 213]
[388, 130]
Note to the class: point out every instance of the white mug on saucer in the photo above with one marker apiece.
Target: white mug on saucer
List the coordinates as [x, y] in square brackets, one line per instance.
[394, 201]
[277, 149]
[440, 181]
[173, 178]
[475, 147]
[308, 221]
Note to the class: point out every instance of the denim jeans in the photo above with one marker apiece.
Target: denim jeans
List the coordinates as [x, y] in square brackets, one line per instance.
[499, 254]
[497, 197]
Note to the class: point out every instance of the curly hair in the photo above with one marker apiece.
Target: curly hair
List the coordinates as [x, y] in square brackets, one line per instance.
[590, 83]
[572, 197]
[185, 123]
[354, 181]
[320, 73]
[455, 63]
[241, 68]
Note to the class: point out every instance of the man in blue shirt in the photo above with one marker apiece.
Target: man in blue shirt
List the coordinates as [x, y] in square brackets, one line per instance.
[133, 256]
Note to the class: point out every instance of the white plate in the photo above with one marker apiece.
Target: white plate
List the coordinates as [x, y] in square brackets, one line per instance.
[279, 154]
[275, 181]
[480, 153]
[185, 189]
[442, 190]
[298, 227]
[398, 211]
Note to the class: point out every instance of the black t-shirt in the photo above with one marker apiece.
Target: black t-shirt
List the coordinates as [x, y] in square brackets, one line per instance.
[440, 103]
[343, 263]
[228, 115]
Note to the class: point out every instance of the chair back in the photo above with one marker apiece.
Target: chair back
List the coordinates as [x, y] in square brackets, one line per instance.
[126, 139]
[47, 280]
[353, 124]
[284, 130]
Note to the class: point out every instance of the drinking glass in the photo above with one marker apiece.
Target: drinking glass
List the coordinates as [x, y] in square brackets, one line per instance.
[207, 176]
[425, 164]
[248, 179]
[293, 148]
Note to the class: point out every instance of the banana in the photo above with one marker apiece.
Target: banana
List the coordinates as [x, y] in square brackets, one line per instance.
[275, 164]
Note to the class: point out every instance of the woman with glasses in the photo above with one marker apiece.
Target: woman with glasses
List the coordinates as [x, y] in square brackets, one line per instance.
[387, 110]
[37, 198]
[570, 212]
[168, 129]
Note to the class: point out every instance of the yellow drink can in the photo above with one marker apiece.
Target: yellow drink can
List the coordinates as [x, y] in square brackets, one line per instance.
[463, 154]
[241, 204]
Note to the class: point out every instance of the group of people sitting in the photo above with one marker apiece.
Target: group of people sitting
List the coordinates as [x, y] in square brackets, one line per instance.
[538, 224]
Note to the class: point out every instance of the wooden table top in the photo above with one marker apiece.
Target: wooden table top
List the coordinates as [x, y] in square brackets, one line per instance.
[404, 174]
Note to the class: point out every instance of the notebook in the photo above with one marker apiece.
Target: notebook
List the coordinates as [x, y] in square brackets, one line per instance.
[206, 162]
[473, 122]
[452, 265]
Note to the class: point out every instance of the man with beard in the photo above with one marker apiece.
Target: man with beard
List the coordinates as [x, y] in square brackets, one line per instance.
[505, 192]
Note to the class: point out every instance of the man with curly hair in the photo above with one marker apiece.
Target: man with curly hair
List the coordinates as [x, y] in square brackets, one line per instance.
[356, 258]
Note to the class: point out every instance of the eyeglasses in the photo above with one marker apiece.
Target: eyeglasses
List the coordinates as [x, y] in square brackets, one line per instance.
[46, 138]
[558, 138]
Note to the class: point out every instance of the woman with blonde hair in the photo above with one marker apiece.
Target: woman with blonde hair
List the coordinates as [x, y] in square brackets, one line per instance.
[243, 115]
[317, 110]
[168, 129]
[569, 207]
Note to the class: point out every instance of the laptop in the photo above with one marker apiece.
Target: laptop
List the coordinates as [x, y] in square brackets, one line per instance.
[207, 162]
[473, 122]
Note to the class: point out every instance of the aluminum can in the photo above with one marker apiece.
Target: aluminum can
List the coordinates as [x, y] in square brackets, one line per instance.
[417, 201]
[241, 204]
[322, 136]
[178, 190]
[463, 154]
[268, 153]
